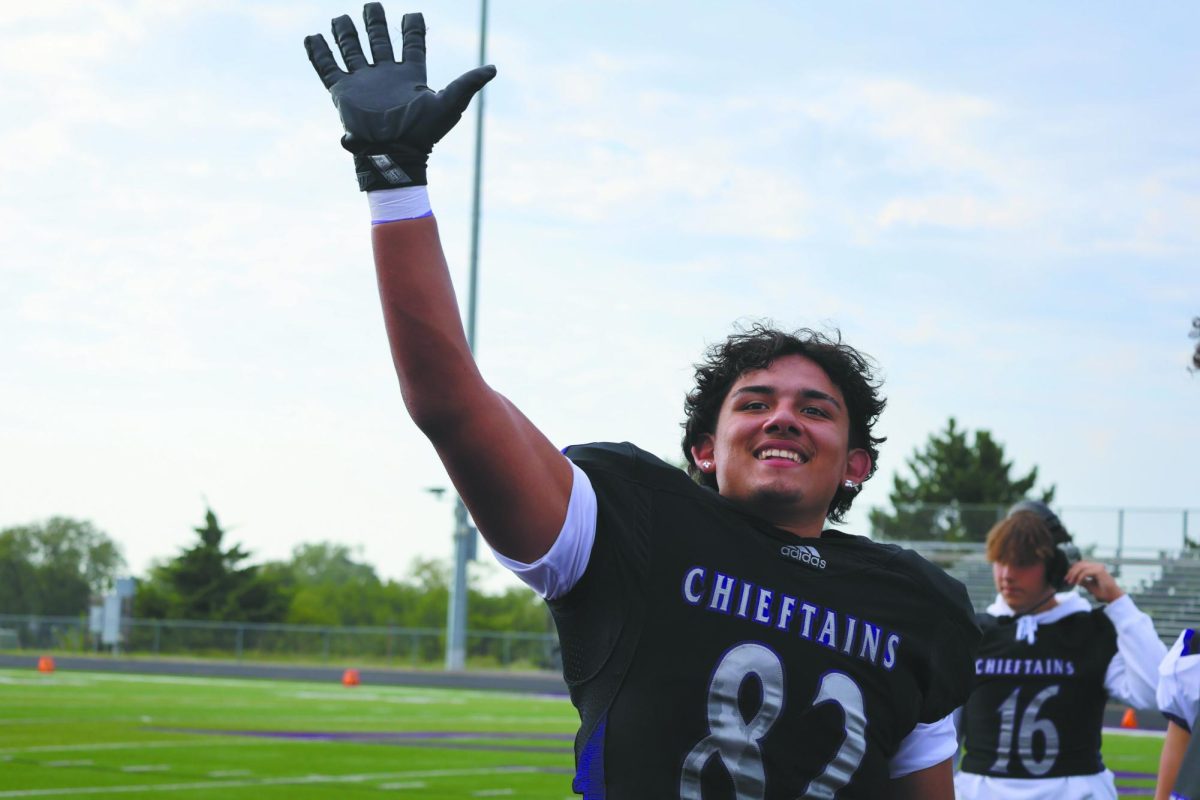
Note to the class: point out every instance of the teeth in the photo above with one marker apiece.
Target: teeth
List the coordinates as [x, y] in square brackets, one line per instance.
[791, 455]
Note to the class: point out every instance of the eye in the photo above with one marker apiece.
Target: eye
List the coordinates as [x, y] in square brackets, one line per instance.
[754, 405]
[815, 411]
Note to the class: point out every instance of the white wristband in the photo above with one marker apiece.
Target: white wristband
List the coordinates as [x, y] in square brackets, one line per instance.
[392, 205]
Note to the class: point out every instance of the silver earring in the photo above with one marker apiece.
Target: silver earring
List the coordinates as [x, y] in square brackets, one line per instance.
[705, 465]
[849, 484]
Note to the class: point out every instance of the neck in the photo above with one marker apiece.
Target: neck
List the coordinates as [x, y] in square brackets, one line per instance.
[788, 517]
[1047, 602]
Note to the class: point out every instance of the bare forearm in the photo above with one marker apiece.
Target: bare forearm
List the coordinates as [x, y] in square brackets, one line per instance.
[513, 479]
[1174, 746]
[932, 783]
[479, 435]
[437, 373]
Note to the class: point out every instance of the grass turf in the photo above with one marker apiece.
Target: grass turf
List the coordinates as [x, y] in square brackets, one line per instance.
[68, 735]
[72, 735]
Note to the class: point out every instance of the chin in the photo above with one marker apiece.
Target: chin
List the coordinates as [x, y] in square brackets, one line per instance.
[775, 495]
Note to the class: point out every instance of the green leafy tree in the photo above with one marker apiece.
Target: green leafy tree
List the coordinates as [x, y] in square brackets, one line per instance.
[54, 567]
[960, 485]
[208, 582]
[422, 600]
[328, 586]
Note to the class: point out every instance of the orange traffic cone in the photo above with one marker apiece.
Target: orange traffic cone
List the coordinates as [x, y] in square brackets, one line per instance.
[350, 677]
[1130, 719]
[45, 664]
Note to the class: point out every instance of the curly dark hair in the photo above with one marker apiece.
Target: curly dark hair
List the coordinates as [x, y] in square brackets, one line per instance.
[756, 347]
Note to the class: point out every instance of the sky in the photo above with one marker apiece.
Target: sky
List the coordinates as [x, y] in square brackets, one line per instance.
[999, 202]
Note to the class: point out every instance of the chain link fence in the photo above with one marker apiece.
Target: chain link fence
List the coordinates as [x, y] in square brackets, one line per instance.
[376, 646]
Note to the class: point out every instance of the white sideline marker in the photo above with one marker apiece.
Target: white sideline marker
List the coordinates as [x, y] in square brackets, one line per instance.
[146, 768]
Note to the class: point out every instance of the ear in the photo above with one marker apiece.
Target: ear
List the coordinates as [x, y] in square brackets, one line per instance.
[703, 449]
[858, 465]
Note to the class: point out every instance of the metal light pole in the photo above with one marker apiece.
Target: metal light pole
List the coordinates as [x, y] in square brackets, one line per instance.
[464, 532]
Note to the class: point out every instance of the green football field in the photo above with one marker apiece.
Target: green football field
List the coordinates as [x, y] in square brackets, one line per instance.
[79, 734]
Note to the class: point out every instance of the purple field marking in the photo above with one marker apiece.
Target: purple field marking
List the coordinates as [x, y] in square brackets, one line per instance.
[1135, 791]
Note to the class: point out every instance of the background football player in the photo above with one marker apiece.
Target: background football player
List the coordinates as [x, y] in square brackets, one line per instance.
[1046, 666]
[717, 643]
[1179, 701]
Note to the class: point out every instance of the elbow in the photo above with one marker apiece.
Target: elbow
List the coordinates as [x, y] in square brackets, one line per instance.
[446, 415]
[436, 420]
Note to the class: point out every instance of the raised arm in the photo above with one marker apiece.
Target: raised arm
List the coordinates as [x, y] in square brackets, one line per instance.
[1132, 675]
[514, 481]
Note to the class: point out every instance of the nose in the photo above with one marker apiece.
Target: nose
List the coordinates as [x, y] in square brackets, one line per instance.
[782, 420]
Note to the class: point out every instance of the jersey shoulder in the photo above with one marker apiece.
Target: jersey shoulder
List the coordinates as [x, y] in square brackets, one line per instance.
[1102, 622]
[1179, 680]
[946, 592]
[629, 462]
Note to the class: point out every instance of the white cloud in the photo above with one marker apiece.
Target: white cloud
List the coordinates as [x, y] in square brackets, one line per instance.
[191, 308]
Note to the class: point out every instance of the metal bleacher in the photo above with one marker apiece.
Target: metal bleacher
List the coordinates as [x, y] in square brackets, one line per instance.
[1171, 596]
[1173, 599]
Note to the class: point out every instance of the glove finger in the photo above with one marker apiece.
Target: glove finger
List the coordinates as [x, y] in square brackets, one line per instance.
[322, 60]
[413, 28]
[347, 39]
[377, 33]
[458, 92]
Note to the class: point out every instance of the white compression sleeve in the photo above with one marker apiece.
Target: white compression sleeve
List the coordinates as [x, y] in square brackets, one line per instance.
[557, 572]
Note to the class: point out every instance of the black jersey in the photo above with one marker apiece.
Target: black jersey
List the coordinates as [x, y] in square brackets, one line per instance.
[1036, 709]
[1187, 782]
[714, 656]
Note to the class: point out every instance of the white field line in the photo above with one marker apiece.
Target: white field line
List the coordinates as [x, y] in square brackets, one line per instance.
[1145, 734]
[228, 773]
[404, 785]
[66, 748]
[295, 780]
[146, 768]
[364, 697]
[493, 793]
[187, 680]
[79, 762]
[438, 693]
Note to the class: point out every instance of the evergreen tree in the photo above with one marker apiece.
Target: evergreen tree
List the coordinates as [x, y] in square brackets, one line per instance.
[209, 583]
[960, 486]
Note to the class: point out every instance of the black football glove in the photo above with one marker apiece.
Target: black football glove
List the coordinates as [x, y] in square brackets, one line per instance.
[392, 119]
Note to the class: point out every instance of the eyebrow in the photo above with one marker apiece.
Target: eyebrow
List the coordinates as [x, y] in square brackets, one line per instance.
[811, 394]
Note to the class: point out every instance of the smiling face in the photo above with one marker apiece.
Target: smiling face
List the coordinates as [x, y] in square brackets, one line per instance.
[781, 445]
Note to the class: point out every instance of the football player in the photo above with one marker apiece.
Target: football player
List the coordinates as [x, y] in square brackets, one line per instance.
[1179, 701]
[1046, 666]
[718, 642]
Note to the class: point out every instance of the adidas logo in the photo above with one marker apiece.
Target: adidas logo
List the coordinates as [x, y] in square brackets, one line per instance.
[805, 554]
